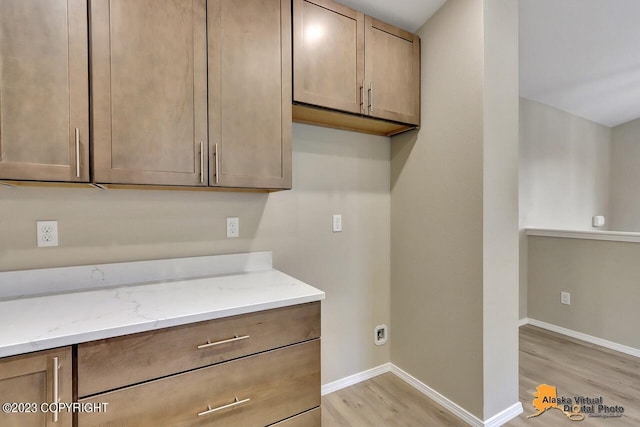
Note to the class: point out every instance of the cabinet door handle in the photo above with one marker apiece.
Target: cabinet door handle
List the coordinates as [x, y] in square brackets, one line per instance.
[236, 402]
[201, 162]
[56, 387]
[212, 344]
[77, 153]
[362, 96]
[370, 97]
[217, 163]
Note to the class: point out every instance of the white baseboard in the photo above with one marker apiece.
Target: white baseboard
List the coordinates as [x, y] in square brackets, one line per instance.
[584, 337]
[495, 421]
[453, 407]
[355, 378]
[523, 321]
[505, 416]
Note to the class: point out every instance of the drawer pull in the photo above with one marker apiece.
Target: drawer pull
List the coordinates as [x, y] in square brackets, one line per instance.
[211, 344]
[56, 387]
[236, 402]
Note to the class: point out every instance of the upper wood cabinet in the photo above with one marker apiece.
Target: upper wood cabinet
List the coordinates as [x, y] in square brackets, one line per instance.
[37, 378]
[328, 55]
[183, 92]
[392, 71]
[349, 62]
[149, 91]
[250, 93]
[44, 102]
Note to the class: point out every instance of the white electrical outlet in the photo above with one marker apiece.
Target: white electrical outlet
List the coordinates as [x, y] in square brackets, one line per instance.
[337, 223]
[233, 227]
[565, 298]
[47, 232]
[380, 334]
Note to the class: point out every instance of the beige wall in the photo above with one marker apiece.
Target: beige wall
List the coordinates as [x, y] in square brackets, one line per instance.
[500, 206]
[602, 277]
[625, 177]
[335, 172]
[454, 245]
[565, 167]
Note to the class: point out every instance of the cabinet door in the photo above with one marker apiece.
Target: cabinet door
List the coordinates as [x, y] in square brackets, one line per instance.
[44, 90]
[149, 91]
[250, 93]
[31, 379]
[328, 57]
[392, 72]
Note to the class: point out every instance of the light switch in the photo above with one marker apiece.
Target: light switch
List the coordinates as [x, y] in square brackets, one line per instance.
[337, 223]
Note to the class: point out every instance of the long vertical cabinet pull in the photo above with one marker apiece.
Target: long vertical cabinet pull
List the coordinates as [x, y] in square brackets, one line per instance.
[362, 97]
[56, 384]
[77, 153]
[217, 163]
[370, 97]
[201, 162]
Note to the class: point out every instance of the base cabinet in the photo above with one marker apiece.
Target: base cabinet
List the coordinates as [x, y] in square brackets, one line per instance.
[310, 418]
[30, 383]
[254, 369]
[254, 391]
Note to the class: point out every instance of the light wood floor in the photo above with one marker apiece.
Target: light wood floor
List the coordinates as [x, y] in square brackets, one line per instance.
[573, 366]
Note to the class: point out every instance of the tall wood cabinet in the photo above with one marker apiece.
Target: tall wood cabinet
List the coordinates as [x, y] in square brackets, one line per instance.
[149, 91]
[348, 62]
[44, 102]
[250, 93]
[36, 378]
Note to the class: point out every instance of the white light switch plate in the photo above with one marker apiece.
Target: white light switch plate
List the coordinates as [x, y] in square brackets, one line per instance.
[337, 223]
[565, 298]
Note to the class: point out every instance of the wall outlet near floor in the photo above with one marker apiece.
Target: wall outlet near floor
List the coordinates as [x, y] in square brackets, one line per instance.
[565, 298]
[380, 334]
[337, 223]
[233, 227]
[47, 232]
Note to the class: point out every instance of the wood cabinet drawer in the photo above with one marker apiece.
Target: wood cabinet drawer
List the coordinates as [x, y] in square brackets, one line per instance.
[121, 361]
[310, 418]
[254, 391]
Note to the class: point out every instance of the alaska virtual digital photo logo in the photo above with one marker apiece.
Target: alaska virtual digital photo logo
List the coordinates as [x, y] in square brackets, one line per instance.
[575, 408]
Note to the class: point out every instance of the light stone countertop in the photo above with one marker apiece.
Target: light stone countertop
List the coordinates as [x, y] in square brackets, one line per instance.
[47, 321]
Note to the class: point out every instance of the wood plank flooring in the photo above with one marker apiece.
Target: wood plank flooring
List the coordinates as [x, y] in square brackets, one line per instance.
[383, 401]
[576, 368]
[572, 366]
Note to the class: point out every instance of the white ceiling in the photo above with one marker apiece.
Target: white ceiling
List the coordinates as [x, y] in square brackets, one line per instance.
[406, 14]
[582, 56]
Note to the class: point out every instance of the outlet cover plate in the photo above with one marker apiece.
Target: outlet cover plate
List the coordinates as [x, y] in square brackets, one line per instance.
[565, 298]
[233, 227]
[380, 334]
[47, 232]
